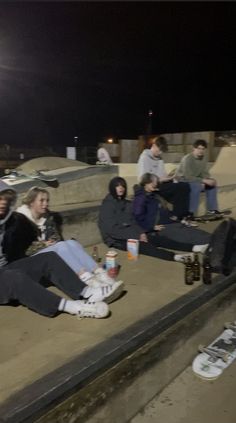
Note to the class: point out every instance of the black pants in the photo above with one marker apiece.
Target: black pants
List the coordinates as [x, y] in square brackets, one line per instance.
[178, 195]
[146, 248]
[21, 281]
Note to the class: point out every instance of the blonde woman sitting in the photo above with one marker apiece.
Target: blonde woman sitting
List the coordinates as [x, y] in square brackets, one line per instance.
[36, 208]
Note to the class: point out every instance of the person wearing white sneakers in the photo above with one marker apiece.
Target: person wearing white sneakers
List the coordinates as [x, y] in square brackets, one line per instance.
[117, 224]
[21, 281]
[36, 208]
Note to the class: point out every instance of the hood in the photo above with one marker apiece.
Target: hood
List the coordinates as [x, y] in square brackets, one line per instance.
[5, 187]
[114, 183]
[24, 209]
[147, 153]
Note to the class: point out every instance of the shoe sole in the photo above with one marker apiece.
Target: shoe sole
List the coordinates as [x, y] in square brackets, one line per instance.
[115, 294]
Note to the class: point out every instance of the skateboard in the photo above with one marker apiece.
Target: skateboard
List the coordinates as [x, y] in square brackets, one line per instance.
[212, 217]
[14, 175]
[213, 359]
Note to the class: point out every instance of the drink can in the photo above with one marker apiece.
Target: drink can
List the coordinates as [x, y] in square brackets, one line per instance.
[132, 249]
[111, 259]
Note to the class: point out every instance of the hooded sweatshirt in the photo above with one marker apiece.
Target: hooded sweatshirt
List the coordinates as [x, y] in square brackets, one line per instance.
[148, 210]
[16, 231]
[147, 163]
[116, 221]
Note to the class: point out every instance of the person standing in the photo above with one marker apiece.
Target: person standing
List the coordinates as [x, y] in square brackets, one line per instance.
[193, 169]
[177, 193]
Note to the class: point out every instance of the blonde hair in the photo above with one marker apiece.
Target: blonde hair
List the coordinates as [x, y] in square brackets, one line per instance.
[32, 194]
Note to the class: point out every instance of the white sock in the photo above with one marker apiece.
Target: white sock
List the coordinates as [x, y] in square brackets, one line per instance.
[99, 270]
[85, 276]
[200, 248]
[68, 306]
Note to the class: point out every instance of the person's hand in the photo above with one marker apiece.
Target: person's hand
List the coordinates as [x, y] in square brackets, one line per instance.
[167, 179]
[143, 238]
[159, 227]
[50, 242]
[209, 181]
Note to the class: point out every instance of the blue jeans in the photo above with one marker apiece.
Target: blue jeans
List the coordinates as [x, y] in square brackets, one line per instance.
[211, 196]
[73, 254]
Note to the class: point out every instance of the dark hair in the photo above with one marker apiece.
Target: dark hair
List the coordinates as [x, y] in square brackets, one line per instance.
[147, 178]
[115, 182]
[161, 143]
[197, 143]
[9, 195]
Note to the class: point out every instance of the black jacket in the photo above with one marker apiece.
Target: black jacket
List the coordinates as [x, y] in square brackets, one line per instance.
[19, 233]
[116, 221]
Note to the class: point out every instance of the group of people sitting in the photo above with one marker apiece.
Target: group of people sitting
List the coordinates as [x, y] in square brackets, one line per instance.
[33, 253]
[184, 185]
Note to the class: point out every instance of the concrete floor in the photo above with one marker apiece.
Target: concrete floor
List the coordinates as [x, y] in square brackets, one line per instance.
[35, 345]
[191, 399]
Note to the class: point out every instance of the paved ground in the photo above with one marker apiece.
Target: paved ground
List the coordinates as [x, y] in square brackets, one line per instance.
[35, 345]
[190, 399]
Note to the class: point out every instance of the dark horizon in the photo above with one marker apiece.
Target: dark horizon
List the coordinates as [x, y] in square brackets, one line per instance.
[94, 70]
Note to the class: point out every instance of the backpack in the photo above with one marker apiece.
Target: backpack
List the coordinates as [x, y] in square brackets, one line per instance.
[222, 247]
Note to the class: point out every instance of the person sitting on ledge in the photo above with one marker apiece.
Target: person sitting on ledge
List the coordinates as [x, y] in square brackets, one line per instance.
[103, 157]
[17, 233]
[176, 193]
[117, 224]
[193, 169]
[36, 208]
[157, 221]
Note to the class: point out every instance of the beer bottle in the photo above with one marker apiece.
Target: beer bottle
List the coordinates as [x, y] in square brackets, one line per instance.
[206, 275]
[95, 255]
[196, 268]
[188, 271]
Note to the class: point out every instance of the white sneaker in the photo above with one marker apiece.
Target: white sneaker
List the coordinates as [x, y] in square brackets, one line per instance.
[97, 310]
[189, 223]
[107, 293]
[200, 248]
[181, 258]
[103, 277]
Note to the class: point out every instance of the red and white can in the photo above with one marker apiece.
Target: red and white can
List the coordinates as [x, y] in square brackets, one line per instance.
[111, 263]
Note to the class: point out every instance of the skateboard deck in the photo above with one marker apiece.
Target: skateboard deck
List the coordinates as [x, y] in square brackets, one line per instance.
[38, 175]
[216, 357]
[211, 218]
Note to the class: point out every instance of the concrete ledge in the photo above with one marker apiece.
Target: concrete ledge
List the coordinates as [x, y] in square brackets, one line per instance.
[82, 387]
[80, 220]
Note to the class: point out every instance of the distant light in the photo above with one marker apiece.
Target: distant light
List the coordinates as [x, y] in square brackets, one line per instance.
[150, 113]
[110, 140]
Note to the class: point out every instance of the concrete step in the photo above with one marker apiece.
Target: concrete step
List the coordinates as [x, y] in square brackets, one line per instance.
[114, 379]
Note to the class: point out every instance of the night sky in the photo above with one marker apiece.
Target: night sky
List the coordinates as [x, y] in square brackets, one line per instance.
[93, 70]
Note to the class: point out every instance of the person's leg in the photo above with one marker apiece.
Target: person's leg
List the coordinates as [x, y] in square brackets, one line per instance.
[177, 194]
[73, 254]
[195, 191]
[50, 266]
[211, 198]
[179, 237]
[85, 259]
[16, 285]
[163, 241]
[148, 249]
